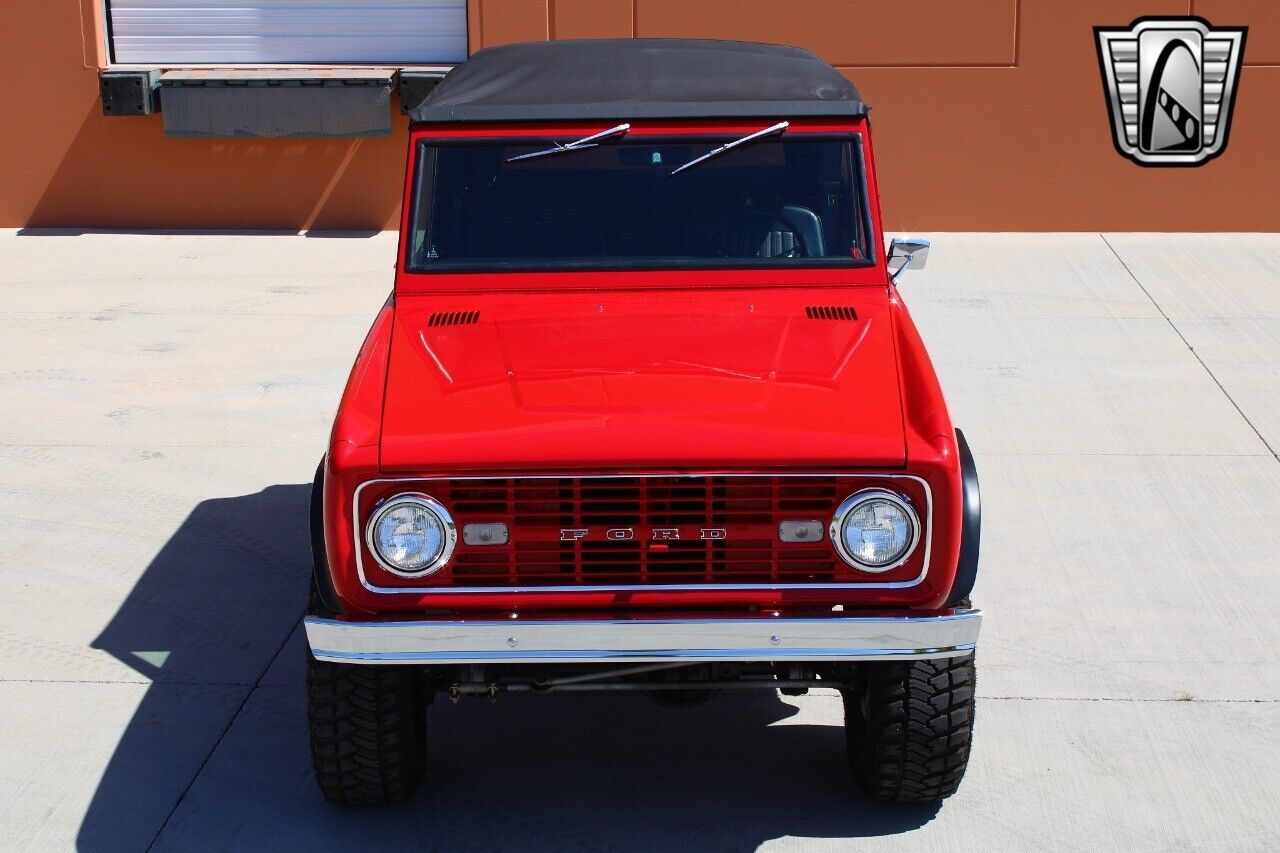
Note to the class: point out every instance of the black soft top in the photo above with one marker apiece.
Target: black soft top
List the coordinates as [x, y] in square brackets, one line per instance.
[639, 79]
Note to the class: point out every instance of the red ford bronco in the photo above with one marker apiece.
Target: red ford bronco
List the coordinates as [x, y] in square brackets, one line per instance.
[645, 411]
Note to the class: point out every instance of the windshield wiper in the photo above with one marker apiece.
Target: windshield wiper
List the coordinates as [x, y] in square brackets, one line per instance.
[577, 145]
[780, 127]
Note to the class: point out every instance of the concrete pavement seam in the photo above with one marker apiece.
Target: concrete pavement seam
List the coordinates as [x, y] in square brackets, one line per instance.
[222, 736]
[1175, 700]
[143, 682]
[1187, 343]
[1142, 453]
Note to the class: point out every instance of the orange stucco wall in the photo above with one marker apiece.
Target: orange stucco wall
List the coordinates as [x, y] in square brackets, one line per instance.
[988, 115]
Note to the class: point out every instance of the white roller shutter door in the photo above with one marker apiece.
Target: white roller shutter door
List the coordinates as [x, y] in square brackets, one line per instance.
[319, 32]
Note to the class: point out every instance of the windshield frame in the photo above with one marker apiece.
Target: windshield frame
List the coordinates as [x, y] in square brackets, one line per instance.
[712, 137]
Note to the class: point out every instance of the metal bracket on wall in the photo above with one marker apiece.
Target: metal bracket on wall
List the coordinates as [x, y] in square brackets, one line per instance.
[130, 92]
[216, 102]
[414, 84]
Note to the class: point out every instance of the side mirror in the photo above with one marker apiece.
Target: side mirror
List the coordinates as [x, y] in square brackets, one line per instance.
[907, 253]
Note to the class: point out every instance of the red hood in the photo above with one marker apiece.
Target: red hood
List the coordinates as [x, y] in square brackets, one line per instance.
[657, 380]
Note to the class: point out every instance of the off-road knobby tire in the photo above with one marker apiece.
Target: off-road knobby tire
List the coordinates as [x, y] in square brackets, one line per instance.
[909, 725]
[368, 731]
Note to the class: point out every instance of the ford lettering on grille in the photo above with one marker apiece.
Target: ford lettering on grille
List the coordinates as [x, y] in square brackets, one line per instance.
[628, 534]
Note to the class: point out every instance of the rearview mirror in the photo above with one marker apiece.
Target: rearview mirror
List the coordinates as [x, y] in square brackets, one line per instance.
[907, 253]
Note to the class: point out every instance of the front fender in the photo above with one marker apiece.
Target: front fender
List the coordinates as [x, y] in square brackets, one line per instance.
[970, 525]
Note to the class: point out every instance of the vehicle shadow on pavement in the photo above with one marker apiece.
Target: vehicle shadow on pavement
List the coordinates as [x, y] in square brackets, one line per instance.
[202, 624]
[225, 594]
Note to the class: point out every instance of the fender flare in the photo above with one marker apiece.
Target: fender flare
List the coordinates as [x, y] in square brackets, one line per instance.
[325, 600]
[970, 525]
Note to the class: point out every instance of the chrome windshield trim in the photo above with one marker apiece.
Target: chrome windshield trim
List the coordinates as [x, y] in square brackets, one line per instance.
[718, 587]
[918, 636]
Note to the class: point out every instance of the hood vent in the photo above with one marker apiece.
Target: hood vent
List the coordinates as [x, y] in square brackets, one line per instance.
[830, 312]
[454, 318]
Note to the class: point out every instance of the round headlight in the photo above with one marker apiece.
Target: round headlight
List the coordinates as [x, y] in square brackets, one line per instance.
[875, 530]
[412, 535]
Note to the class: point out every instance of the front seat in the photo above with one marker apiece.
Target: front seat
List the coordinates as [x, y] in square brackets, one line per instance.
[790, 232]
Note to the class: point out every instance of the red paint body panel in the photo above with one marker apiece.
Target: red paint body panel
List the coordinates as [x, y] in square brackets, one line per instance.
[701, 379]
[709, 371]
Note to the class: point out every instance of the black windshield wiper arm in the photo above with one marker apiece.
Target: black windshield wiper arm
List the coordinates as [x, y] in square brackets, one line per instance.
[780, 127]
[577, 145]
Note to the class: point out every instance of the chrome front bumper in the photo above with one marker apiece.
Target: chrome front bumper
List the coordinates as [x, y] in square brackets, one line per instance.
[868, 637]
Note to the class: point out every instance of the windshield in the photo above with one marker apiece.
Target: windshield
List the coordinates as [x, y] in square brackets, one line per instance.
[780, 201]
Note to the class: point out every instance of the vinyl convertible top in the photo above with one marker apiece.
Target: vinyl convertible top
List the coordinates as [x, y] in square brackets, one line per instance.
[639, 79]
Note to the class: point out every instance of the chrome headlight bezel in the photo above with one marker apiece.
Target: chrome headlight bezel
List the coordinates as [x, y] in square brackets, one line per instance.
[449, 539]
[848, 505]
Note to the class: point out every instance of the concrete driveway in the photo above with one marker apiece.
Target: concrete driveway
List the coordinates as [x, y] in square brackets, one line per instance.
[163, 402]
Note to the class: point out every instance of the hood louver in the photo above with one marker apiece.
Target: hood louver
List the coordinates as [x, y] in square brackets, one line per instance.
[454, 318]
[830, 312]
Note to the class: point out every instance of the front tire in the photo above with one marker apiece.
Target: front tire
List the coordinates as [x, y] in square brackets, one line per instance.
[368, 731]
[909, 725]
